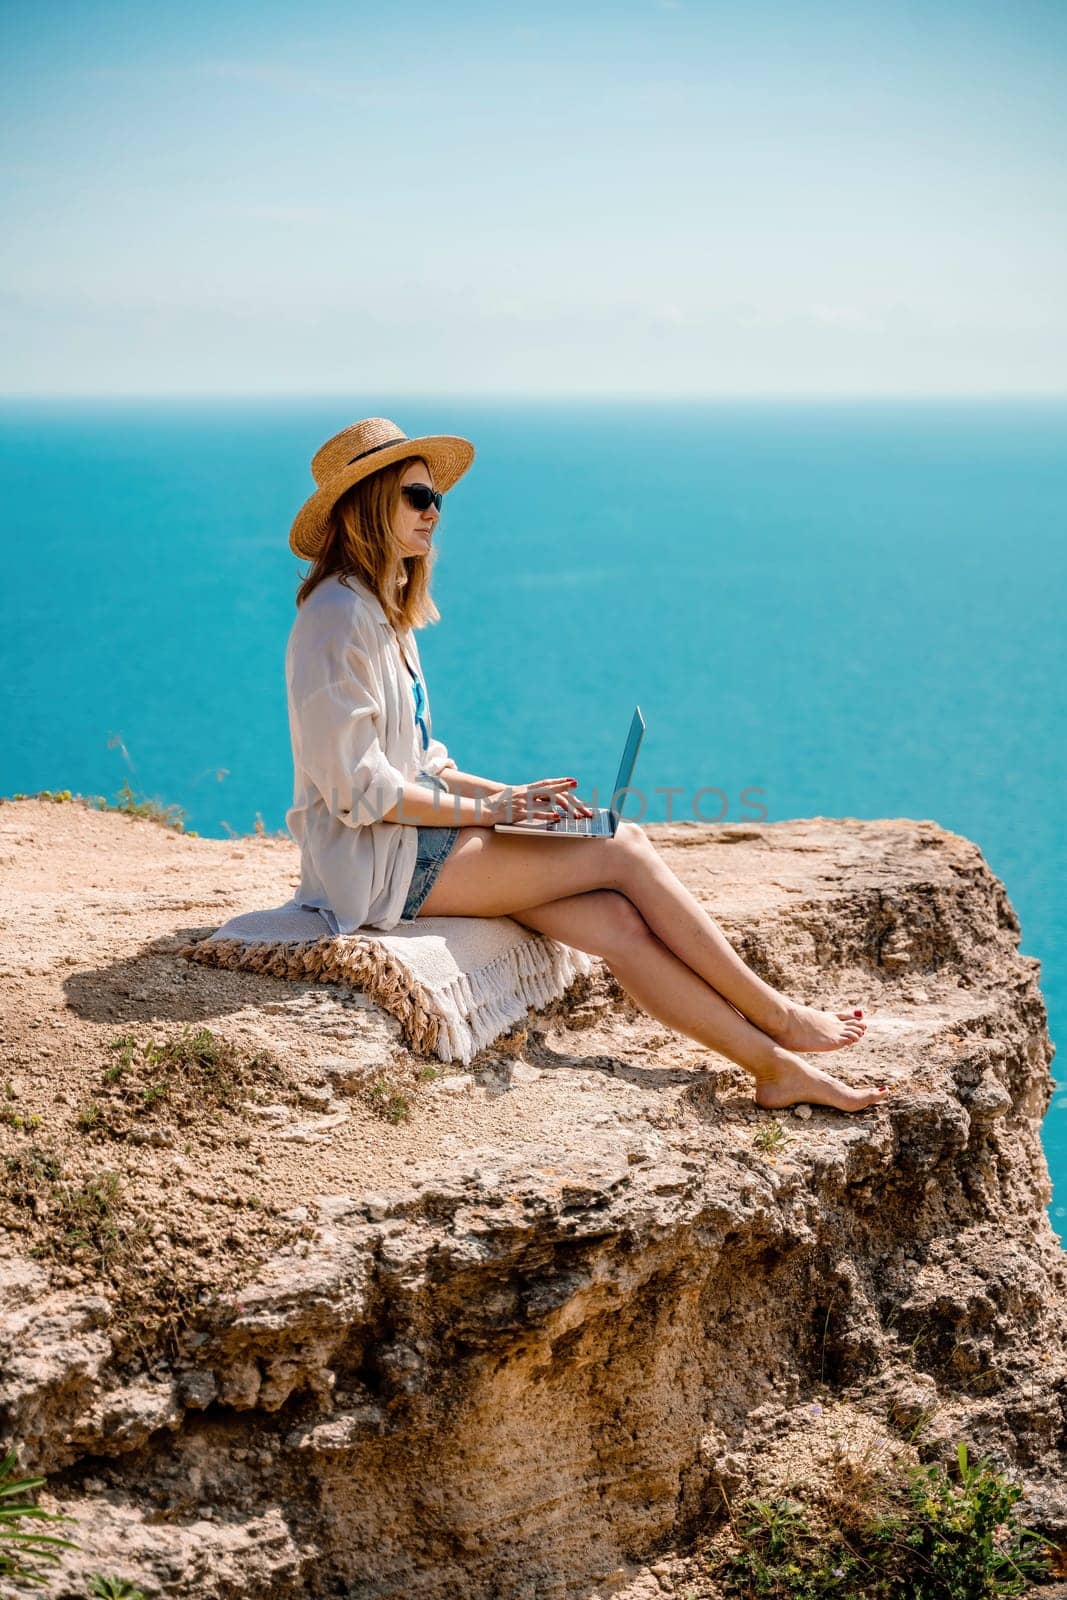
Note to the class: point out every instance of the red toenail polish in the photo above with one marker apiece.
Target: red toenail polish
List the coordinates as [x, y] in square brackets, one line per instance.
[857, 1013]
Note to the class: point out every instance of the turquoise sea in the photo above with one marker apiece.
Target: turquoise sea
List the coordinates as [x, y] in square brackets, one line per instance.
[853, 607]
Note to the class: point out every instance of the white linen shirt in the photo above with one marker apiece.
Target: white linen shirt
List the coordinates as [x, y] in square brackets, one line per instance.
[352, 725]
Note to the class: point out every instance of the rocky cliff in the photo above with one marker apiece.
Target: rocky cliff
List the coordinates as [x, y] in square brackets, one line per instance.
[282, 1313]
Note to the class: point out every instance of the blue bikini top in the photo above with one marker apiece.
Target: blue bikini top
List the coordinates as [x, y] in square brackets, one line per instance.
[420, 704]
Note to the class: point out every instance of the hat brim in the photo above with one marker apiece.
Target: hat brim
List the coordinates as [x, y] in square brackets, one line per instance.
[447, 457]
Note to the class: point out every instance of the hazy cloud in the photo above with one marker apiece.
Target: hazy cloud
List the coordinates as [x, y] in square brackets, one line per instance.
[311, 214]
[668, 312]
[850, 317]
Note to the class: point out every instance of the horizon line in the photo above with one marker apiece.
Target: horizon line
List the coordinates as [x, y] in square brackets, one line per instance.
[678, 396]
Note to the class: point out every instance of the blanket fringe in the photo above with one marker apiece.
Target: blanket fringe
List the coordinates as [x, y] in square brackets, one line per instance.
[453, 1022]
[360, 963]
[476, 1008]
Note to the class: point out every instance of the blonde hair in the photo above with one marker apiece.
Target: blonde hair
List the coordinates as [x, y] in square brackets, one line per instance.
[360, 543]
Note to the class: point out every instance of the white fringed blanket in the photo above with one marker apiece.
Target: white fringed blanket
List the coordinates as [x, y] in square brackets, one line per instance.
[454, 984]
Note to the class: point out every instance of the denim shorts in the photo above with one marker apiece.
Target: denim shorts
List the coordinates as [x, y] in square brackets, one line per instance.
[434, 845]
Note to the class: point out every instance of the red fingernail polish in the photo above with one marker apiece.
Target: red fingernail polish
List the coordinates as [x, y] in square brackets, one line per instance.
[857, 1013]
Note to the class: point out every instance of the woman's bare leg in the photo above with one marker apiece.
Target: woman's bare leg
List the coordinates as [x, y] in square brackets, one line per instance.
[500, 874]
[606, 924]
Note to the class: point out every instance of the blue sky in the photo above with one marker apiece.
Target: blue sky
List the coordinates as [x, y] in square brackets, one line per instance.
[667, 197]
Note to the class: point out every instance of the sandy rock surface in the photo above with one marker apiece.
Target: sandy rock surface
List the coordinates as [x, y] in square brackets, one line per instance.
[340, 1326]
[95, 907]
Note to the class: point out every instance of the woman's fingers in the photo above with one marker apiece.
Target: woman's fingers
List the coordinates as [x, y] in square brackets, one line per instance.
[572, 804]
[579, 805]
[521, 804]
[547, 800]
[556, 798]
[562, 793]
[550, 786]
[531, 817]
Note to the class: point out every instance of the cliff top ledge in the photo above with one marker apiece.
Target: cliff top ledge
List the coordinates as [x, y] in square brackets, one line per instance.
[294, 1234]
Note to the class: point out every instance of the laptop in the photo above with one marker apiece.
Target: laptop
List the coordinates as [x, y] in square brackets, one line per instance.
[604, 822]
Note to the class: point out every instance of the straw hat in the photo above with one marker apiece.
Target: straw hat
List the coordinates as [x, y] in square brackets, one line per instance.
[355, 453]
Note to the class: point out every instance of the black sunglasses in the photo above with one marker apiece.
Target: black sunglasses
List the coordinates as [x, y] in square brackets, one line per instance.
[420, 497]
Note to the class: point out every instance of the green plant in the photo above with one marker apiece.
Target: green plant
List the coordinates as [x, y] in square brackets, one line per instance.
[152, 1095]
[59, 796]
[778, 1555]
[195, 1072]
[902, 1535]
[85, 1225]
[85, 1218]
[391, 1103]
[19, 1550]
[127, 800]
[131, 802]
[770, 1136]
[16, 1120]
[28, 1176]
[126, 1046]
[82, 1218]
[966, 1535]
[114, 1589]
[139, 805]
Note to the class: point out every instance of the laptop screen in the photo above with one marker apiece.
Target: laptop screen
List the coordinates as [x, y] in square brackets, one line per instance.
[629, 758]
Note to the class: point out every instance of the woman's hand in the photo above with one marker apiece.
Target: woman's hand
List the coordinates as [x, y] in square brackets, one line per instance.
[544, 801]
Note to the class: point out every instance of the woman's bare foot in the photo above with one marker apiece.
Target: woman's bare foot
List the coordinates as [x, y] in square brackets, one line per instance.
[809, 1029]
[788, 1081]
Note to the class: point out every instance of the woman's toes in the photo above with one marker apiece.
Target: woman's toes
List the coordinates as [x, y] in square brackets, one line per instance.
[811, 1029]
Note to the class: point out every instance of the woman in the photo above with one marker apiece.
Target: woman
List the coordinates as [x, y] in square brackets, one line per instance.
[378, 848]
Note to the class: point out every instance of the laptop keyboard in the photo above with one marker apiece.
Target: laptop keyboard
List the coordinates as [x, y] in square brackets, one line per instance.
[597, 824]
[596, 827]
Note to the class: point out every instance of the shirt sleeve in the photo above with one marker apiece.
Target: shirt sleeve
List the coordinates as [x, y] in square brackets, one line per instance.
[436, 759]
[340, 749]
